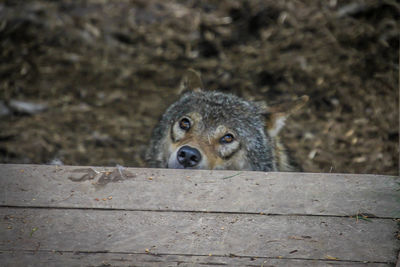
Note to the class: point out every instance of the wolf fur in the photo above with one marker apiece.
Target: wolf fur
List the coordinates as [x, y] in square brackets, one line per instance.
[225, 132]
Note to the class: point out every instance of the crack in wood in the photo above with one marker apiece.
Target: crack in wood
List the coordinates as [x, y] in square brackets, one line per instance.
[194, 211]
[192, 255]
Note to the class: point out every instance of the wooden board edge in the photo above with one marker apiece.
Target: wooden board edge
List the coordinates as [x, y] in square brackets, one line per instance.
[70, 258]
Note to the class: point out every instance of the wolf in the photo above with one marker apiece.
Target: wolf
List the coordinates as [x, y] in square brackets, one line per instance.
[218, 131]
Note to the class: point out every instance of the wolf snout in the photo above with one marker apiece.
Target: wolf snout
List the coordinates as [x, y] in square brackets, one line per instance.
[188, 156]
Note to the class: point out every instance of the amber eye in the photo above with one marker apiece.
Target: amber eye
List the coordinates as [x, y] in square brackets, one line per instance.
[184, 124]
[226, 139]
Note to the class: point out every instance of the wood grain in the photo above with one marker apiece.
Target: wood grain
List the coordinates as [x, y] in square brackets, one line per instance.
[54, 258]
[298, 237]
[96, 216]
[188, 190]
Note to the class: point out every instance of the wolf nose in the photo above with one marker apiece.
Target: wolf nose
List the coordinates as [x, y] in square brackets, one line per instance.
[188, 156]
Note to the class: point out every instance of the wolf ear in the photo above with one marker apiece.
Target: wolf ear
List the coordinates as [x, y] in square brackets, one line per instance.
[191, 81]
[276, 114]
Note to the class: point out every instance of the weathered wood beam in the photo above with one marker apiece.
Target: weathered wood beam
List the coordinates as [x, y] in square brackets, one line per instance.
[245, 235]
[188, 190]
[73, 215]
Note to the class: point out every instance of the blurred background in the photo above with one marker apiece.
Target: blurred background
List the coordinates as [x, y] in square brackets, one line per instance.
[84, 82]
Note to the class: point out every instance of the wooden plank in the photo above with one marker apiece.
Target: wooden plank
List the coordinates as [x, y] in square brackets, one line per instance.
[54, 258]
[217, 191]
[200, 234]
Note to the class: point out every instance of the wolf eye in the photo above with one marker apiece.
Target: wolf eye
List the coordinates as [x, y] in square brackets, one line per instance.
[184, 124]
[226, 139]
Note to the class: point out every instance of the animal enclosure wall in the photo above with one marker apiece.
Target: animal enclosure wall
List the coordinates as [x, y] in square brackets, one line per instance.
[70, 215]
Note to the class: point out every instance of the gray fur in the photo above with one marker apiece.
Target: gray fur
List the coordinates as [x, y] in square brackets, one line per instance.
[218, 108]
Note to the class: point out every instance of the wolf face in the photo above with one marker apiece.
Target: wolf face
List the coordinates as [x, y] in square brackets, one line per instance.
[217, 131]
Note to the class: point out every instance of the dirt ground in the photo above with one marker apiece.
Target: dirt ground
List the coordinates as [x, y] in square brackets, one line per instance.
[100, 74]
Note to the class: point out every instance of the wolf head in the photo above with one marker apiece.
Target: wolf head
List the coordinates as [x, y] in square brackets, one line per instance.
[214, 130]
